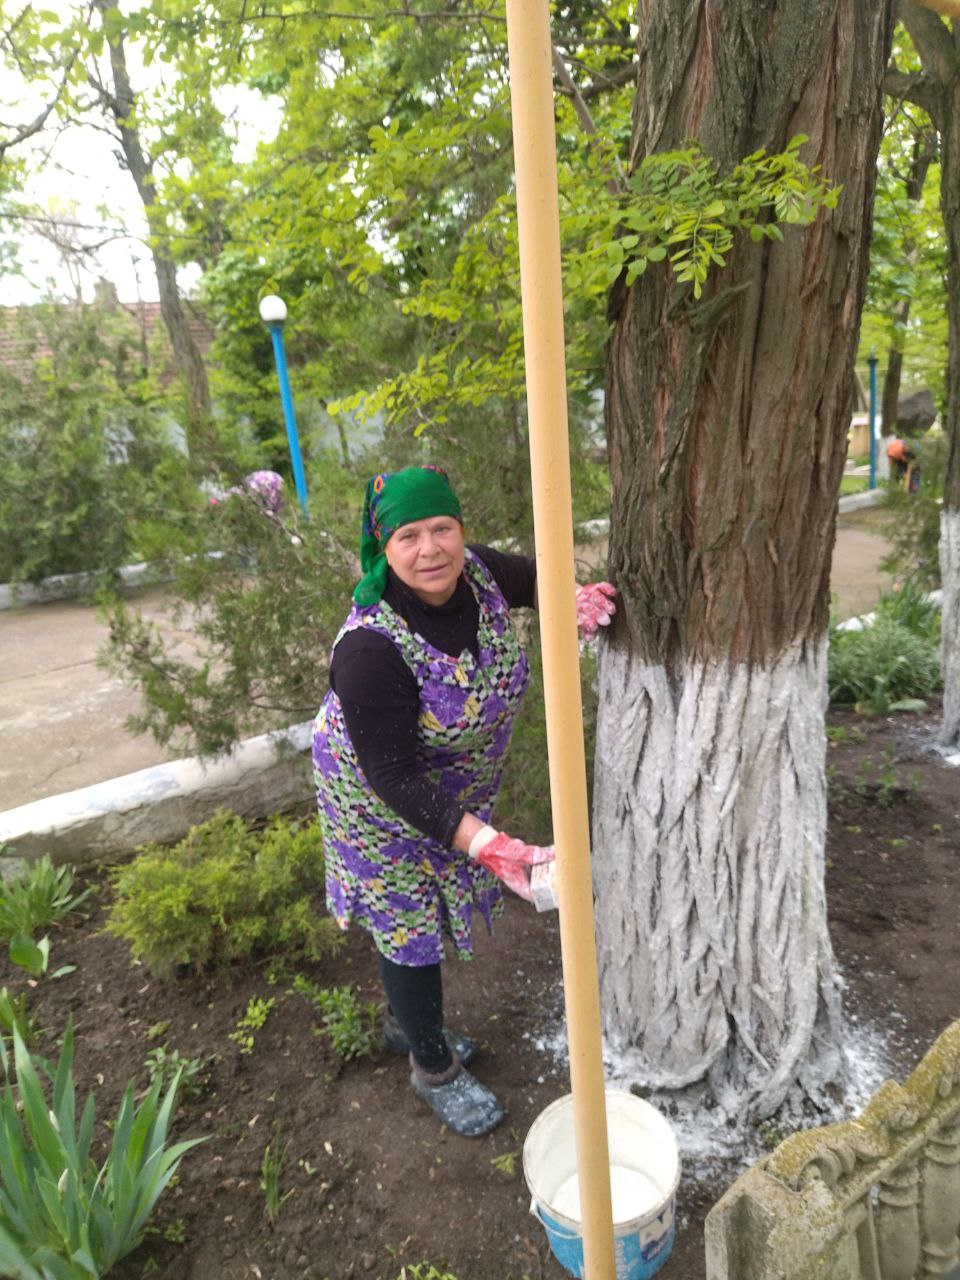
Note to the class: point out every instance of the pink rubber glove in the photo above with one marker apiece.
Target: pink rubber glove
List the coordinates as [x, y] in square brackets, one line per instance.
[595, 607]
[509, 859]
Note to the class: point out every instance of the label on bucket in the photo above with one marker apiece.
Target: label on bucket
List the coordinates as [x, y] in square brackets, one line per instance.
[633, 1195]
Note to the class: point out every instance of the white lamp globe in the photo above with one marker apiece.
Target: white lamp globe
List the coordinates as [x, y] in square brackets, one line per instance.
[273, 309]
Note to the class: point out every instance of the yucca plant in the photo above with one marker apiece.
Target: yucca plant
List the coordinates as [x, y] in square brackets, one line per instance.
[62, 1218]
[41, 894]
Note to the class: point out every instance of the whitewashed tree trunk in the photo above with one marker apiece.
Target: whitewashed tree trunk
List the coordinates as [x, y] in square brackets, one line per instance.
[950, 625]
[727, 419]
[709, 821]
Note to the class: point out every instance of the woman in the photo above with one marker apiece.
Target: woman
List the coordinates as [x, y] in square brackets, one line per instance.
[426, 677]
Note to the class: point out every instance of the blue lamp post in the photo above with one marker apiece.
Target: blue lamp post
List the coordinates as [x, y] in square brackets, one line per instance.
[273, 312]
[872, 362]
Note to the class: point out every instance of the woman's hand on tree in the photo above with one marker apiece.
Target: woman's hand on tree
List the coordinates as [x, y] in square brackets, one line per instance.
[595, 607]
[509, 859]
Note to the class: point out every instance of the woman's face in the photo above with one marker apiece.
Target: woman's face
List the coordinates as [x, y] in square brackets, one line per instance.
[427, 555]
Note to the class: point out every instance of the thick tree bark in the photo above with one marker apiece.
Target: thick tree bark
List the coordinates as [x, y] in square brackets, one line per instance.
[121, 104]
[939, 47]
[717, 962]
[890, 396]
[924, 153]
[727, 424]
[950, 625]
[950, 519]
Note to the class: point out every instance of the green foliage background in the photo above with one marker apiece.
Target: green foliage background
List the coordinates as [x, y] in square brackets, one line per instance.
[91, 477]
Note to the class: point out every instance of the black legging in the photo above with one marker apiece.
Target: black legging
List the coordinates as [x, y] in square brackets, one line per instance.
[415, 998]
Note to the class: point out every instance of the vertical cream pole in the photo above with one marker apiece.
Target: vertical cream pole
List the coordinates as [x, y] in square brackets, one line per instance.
[535, 154]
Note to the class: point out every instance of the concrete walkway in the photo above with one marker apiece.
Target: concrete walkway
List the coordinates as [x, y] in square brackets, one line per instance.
[62, 718]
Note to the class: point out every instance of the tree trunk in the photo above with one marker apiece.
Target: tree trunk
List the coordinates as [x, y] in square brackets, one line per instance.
[187, 358]
[727, 425]
[950, 517]
[938, 92]
[924, 153]
[890, 397]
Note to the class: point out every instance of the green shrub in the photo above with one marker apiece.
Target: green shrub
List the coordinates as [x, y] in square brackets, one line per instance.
[224, 893]
[881, 666]
[62, 1218]
[265, 598]
[40, 895]
[85, 453]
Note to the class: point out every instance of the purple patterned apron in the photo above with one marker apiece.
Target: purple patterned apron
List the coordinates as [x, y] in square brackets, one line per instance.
[405, 888]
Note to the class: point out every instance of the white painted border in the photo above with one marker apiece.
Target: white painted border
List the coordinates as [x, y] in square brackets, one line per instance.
[262, 775]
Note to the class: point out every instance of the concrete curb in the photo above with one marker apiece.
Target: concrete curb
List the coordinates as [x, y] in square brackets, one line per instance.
[853, 501]
[67, 586]
[263, 775]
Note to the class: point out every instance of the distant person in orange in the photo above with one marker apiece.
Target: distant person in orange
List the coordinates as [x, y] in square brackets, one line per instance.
[902, 457]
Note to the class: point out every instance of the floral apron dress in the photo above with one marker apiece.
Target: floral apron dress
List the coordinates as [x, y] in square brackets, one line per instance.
[406, 889]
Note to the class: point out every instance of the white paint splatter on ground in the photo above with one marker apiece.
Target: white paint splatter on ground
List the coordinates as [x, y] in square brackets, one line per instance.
[716, 1146]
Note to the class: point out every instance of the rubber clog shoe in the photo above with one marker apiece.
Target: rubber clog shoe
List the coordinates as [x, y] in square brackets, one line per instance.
[465, 1106]
[459, 1044]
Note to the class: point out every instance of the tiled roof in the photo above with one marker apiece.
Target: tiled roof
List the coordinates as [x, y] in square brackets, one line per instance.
[22, 339]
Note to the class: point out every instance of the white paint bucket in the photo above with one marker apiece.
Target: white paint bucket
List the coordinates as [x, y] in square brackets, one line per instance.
[644, 1173]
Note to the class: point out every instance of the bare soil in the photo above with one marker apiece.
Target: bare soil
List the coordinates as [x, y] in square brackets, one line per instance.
[373, 1180]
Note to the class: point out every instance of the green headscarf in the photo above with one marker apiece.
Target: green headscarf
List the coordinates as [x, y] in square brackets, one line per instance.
[395, 498]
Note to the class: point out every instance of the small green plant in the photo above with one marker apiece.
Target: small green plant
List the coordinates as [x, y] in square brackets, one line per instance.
[61, 1217]
[175, 1232]
[224, 893]
[771, 1135]
[835, 788]
[424, 1271]
[910, 605]
[839, 734]
[15, 1017]
[862, 784]
[887, 788]
[271, 1169]
[506, 1163]
[164, 1065]
[253, 1020]
[353, 1028]
[34, 957]
[41, 895]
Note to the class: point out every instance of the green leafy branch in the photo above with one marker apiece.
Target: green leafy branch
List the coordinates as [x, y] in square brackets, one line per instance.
[677, 208]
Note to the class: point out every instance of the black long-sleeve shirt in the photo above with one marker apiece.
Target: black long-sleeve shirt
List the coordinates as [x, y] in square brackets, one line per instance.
[381, 699]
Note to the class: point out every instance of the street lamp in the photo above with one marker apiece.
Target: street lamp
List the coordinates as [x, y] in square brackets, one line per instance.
[872, 362]
[273, 312]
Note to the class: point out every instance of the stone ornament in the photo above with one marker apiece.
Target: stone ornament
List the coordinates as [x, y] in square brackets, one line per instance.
[876, 1198]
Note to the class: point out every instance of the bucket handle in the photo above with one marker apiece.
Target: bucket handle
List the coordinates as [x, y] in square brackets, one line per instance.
[554, 1228]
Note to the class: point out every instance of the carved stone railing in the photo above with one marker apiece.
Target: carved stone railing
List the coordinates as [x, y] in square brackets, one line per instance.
[877, 1198]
